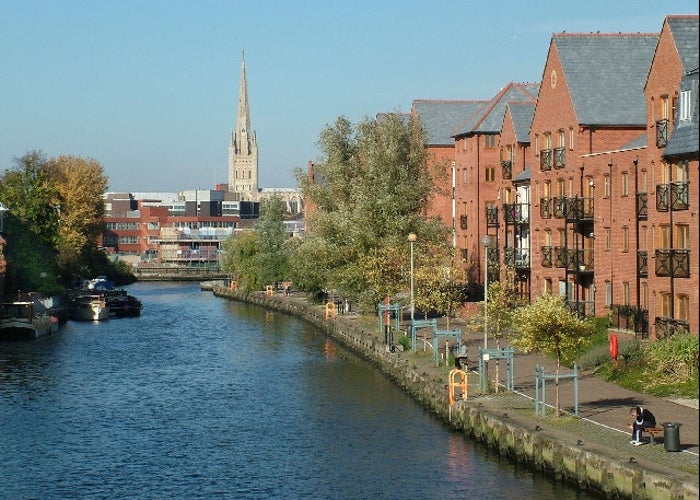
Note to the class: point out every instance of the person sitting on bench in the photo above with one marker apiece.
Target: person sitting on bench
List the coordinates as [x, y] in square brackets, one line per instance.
[461, 358]
[643, 418]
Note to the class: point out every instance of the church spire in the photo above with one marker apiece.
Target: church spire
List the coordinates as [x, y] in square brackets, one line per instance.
[243, 150]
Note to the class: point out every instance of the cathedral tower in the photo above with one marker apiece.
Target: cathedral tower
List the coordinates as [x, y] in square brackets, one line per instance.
[243, 149]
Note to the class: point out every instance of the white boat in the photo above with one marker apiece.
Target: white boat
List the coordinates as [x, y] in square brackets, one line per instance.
[89, 307]
[20, 320]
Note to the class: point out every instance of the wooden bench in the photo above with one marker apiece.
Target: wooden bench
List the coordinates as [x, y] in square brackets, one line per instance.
[652, 431]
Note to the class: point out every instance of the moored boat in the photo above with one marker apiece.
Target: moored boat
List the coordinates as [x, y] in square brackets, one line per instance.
[89, 307]
[122, 305]
[22, 320]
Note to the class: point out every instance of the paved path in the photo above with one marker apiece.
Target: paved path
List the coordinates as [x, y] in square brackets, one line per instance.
[602, 402]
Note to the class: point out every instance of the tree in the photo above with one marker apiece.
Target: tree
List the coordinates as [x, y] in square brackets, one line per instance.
[80, 185]
[273, 259]
[548, 326]
[369, 192]
[240, 259]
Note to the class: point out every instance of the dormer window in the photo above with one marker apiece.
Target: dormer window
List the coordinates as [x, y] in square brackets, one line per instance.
[684, 107]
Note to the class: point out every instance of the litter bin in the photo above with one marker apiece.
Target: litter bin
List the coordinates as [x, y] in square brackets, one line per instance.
[672, 440]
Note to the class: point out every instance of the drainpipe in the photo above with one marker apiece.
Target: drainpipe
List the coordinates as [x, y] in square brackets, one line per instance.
[636, 227]
[612, 247]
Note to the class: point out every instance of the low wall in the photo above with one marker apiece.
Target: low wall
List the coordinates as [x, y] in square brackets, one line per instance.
[590, 471]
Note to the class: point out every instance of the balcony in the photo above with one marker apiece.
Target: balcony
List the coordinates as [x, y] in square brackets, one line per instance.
[580, 260]
[546, 208]
[491, 216]
[672, 263]
[463, 222]
[642, 210]
[507, 169]
[672, 196]
[547, 253]
[546, 160]
[583, 308]
[642, 263]
[668, 327]
[579, 209]
[518, 258]
[661, 133]
[624, 317]
[560, 207]
[559, 158]
[516, 213]
[561, 256]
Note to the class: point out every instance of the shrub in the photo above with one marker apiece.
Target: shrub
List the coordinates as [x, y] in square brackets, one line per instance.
[674, 359]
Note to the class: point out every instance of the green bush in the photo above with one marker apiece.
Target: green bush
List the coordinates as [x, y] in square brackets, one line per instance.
[593, 358]
[405, 341]
[630, 350]
[674, 359]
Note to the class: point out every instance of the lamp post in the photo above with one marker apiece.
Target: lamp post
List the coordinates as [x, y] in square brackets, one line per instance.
[411, 238]
[486, 242]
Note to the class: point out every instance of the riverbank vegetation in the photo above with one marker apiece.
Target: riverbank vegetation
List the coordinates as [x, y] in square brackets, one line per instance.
[54, 218]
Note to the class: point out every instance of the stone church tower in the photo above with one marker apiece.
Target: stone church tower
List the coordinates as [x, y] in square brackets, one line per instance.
[243, 149]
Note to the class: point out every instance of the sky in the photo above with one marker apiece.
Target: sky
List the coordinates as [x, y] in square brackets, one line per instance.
[149, 88]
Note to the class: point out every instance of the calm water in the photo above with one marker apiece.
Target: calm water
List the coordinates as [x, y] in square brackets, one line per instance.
[205, 398]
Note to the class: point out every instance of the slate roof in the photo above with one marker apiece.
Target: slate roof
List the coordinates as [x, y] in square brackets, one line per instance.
[439, 117]
[684, 30]
[686, 134]
[639, 142]
[522, 113]
[523, 176]
[489, 120]
[606, 74]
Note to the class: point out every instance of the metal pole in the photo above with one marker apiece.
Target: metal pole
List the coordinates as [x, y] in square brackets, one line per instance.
[486, 296]
[411, 239]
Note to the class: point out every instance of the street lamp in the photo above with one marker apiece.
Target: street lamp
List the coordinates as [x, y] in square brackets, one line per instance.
[486, 242]
[411, 238]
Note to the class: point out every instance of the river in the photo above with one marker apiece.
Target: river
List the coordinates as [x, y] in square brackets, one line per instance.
[205, 398]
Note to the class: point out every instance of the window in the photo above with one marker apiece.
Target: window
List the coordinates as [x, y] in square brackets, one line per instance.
[643, 182]
[664, 237]
[626, 293]
[490, 141]
[537, 145]
[685, 106]
[562, 237]
[464, 176]
[625, 187]
[547, 140]
[663, 111]
[674, 106]
[682, 305]
[561, 188]
[608, 239]
[547, 189]
[643, 237]
[608, 294]
[664, 304]
[644, 299]
[490, 174]
[682, 172]
[562, 139]
[625, 239]
[547, 237]
[547, 285]
[606, 186]
[571, 139]
[682, 236]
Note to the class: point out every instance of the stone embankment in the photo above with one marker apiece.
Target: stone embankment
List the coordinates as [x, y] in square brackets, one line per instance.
[503, 422]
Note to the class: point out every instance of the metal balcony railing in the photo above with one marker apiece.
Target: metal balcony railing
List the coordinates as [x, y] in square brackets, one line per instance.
[561, 256]
[560, 207]
[516, 213]
[518, 258]
[583, 307]
[492, 216]
[661, 133]
[668, 327]
[463, 222]
[578, 209]
[580, 260]
[507, 169]
[559, 157]
[642, 209]
[672, 262]
[642, 263]
[547, 253]
[672, 196]
[546, 208]
[546, 160]
[625, 317]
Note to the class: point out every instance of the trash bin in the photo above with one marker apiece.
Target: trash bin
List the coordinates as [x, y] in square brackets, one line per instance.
[672, 440]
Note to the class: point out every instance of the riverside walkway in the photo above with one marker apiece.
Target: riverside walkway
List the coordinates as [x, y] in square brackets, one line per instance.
[603, 413]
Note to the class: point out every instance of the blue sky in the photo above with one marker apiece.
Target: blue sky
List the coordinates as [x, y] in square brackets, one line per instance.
[149, 88]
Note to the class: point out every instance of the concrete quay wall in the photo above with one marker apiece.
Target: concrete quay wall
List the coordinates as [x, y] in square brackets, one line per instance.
[593, 471]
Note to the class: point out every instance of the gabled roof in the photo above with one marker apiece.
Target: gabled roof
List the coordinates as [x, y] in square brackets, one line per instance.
[685, 136]
[606, 74]
[684, 30]
[522, 113]
[439, 117]
[489, 120]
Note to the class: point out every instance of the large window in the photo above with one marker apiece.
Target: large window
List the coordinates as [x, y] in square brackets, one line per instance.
[685, 111]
